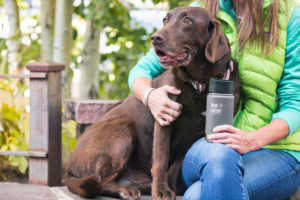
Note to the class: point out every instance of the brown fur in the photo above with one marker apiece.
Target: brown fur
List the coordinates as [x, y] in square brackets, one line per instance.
[114, 156]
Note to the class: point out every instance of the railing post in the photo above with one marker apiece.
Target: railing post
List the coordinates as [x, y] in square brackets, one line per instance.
[45, 123]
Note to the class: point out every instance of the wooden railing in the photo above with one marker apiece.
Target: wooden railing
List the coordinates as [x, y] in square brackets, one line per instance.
[44, 153]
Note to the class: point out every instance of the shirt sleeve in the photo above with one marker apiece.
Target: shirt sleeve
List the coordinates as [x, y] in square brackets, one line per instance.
[289, 86]
[148, 66]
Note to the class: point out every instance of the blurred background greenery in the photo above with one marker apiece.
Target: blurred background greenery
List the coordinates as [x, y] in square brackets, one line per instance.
[98, 41]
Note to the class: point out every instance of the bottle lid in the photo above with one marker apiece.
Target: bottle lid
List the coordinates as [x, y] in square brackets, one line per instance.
[221, 86]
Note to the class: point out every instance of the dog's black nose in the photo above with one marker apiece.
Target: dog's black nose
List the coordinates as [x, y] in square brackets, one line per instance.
[157, 38]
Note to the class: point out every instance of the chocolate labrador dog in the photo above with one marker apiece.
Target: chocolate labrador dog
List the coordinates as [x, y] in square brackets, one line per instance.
[126, 153]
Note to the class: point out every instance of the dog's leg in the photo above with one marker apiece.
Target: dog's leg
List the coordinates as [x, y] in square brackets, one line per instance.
[135, 179]
[173, 173]
[161, 152]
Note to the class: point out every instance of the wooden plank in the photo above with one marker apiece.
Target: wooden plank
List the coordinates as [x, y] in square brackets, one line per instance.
[87, 111]
[38, 168]
[38, 154]
[54, 128]
[31, 75]
[45, 66]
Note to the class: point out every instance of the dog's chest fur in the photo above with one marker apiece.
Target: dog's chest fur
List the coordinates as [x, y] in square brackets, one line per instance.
[189, 126]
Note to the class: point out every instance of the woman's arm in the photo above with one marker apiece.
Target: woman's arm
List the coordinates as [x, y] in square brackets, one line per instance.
[140, 79]
[148, 67]
[158, 101]
[289, 86]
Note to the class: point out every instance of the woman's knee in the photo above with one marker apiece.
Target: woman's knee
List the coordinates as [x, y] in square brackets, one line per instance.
[193, 192]
[203, 151]
[217, 159]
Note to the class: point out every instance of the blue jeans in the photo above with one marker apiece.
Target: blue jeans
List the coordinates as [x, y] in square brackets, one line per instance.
[215, 171]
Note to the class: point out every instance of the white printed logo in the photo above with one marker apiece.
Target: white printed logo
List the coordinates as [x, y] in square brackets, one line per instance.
[216, 108]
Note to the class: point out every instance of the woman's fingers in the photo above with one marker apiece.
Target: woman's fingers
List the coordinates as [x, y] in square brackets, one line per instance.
[162, 122]
[225, 138]
[163, 109]
[171, 89]
[172, 112]
[225, 128]
[170, 116]
[234, 138]
[218, 136]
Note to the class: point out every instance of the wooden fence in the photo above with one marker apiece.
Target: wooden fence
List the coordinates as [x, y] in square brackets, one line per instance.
[45, 123]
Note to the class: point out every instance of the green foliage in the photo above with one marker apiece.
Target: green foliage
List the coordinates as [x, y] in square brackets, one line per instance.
[14, 127]
[133, 44]
[3, 43]
[30, 50]
[113, 18]
[14, 119]
[3, 58]
[173, 3]
[68, 139]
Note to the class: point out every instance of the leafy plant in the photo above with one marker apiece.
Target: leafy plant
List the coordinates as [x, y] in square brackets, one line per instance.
[14, 119]
[132, 41]
[173, 3]
[68, 139]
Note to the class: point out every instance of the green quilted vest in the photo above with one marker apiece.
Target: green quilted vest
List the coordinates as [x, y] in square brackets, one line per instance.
[260, 76]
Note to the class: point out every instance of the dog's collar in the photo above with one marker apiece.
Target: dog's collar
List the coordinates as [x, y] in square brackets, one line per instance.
[199, 87]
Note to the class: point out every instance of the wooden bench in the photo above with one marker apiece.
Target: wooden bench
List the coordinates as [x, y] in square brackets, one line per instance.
[86, 112]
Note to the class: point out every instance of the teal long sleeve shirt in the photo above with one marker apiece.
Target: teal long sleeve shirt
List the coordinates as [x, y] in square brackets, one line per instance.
[288, 89]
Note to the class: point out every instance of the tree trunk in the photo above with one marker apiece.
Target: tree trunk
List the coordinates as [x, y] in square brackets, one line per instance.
[89, 80]
[63, 41]
[13, 42]
[47, 25]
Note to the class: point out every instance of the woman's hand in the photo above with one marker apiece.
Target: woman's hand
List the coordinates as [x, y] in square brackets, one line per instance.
[244, 142]
[162, 107]
[241, 141]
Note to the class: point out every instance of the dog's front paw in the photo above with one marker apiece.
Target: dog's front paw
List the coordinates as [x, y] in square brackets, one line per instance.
[164, 194]
[130, 194]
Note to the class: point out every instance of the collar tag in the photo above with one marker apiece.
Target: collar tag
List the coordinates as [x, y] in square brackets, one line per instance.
[199, 87]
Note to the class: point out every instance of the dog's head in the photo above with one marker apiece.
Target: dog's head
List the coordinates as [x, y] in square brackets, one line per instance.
[192, 40]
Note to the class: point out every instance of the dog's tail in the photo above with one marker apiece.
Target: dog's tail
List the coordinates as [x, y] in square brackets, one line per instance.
[88, 187]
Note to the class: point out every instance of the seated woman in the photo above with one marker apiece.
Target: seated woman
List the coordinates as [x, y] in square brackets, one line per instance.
[258, 157]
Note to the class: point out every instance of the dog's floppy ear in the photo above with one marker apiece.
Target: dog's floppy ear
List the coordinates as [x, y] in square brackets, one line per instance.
[217, 45]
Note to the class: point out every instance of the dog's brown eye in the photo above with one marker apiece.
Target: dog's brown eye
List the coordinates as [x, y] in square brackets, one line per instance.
[165, 21]
[187, 20]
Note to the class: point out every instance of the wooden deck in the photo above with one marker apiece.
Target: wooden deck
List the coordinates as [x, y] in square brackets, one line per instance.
[15, 191]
